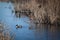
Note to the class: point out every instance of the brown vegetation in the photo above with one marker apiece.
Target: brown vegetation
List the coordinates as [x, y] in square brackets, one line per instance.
[45, 11]
[5, 34]
[4, 0]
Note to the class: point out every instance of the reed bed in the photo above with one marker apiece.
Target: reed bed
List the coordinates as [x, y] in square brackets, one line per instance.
[5, 34]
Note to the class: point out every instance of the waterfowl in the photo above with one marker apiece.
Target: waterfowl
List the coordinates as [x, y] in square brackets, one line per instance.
[30, 27]
[18, 26]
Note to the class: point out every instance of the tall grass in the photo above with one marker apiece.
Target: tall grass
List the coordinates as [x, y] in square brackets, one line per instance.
[5, 34]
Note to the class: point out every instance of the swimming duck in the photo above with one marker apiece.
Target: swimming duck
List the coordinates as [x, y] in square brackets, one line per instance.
[18, 26]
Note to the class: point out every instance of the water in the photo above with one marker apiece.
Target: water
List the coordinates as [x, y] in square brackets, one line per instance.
[44, 32]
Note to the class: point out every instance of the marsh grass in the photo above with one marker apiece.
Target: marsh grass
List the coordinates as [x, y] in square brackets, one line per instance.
[5, 34]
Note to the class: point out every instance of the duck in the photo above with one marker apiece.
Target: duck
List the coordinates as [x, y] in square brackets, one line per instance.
[18, 26]
[30, 27]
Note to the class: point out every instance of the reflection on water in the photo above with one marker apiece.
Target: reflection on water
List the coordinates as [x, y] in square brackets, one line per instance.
[43, 32]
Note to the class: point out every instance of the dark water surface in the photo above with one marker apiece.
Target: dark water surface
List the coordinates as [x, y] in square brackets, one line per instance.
[44, 32]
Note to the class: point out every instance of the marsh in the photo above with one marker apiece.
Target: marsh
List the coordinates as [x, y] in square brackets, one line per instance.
[43, 32]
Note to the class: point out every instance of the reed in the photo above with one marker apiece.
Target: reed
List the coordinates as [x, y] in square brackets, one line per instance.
[5, 35]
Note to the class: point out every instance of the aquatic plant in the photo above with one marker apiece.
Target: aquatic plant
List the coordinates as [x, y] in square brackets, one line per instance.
[5, 34]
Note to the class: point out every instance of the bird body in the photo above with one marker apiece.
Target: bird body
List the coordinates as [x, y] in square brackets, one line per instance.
[18, 26]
